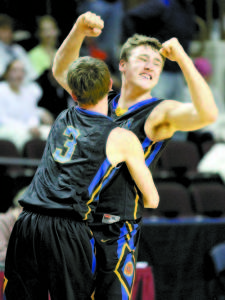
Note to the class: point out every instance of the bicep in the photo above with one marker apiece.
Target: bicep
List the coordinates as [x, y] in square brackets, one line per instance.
[185, 118]
[170, 116]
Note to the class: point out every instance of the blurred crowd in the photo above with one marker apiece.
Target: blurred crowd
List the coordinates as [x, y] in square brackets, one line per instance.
[31, 98]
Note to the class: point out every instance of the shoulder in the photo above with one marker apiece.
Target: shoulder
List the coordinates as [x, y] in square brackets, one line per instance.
[36, 52]
[120, 145]
[5, 90]
[122, 134]
[168, 103]
[3, 85]
[35, 49]
[165, 106]
[123, 138]
[19, 49]
[34, 89]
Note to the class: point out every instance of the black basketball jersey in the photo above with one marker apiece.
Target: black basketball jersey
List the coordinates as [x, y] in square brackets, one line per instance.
[74, 167]
[122, 197]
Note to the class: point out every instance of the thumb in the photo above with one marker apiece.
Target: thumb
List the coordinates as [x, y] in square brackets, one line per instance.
[164, 51]
[97, 31]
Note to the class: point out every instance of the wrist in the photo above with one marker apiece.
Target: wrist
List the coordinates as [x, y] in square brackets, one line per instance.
[78, 31]
[184, 61]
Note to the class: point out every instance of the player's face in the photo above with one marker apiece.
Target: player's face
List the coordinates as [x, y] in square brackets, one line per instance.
[143, 67]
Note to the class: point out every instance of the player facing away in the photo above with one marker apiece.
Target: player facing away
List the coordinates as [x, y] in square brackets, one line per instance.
[154, 121]
[51, 247]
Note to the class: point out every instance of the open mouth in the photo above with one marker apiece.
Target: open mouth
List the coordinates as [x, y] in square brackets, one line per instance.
[146, 76]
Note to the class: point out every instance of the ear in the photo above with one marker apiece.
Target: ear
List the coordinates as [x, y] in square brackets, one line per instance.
[74, 97]
[111, 84]
[122, 65]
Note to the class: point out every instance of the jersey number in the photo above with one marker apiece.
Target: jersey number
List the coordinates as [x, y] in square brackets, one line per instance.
[64, 155]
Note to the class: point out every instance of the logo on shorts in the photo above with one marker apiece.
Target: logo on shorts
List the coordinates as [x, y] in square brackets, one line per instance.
[109, 219]
[129, 269]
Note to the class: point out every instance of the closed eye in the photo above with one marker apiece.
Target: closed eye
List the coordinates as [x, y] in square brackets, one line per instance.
[143, 59]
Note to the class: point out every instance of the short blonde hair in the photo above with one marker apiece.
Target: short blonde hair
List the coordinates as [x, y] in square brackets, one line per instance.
[138, 40]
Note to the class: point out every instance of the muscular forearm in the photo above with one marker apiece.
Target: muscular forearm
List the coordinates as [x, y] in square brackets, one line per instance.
[201, 94]
[66, 54]
[87, 24]
[151, 196]
[145, 183]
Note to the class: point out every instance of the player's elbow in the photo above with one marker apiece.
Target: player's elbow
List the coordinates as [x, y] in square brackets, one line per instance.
[57, 69]
[54, 70]
[152, 201]
[211, 115]
[155, 202]
[58, 74]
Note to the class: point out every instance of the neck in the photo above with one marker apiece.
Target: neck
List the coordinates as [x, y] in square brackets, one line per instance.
[15, 88]
[49, 45]
[101, 107]
[131, 95]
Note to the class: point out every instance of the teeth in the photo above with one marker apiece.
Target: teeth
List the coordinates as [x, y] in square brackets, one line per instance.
[146, 76]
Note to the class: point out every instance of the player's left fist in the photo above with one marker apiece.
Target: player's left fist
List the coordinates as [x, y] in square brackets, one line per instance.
[172, 50]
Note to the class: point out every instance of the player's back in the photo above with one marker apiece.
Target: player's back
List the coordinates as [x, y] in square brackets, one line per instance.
[73, 166]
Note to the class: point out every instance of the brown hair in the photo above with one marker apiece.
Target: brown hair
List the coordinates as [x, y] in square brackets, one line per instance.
[89, 79]
[138, 40]
[6, 21]
[8, 69]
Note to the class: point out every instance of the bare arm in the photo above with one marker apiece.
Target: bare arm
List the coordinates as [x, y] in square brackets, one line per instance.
[123, 145]
[88, 24]
[183, 116]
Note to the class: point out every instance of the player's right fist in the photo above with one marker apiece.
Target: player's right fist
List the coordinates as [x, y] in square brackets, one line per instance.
[90, 24]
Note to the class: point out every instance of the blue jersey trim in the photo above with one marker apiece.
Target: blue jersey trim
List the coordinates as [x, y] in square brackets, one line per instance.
[149, 160]
[146, 143]
[166, 2]
[142, 103]
[93, 255]
[115, 101]
[136, 105]
[99, 175]
[106, 181]
[91, 113]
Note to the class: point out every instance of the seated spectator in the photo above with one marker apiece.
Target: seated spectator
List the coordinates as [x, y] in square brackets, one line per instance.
[217, 129]
[20, 117]
[42, 55]
[10, 50]
[7, 220]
